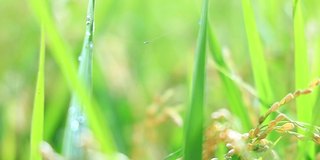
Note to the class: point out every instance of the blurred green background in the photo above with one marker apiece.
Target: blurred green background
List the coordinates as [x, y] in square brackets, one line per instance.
[143, 59]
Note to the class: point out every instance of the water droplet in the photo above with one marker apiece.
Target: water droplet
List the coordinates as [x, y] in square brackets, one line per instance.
[74, 125]
[88, 33]
[91, 45]
[82, 119]
[88, 21]
[80, 58]
[72, 109]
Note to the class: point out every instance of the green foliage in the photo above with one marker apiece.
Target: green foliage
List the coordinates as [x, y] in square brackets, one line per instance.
[302, 74]
[257, 57]
[64, 60]
[234, 95]
[131, 91]
[38, 107]
[76, 124]
[194, 118]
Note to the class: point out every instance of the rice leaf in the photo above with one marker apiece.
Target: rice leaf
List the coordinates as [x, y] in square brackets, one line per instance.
[258, 62]
[104, 11]
[316, 60]
[302, 72]
[304, 104]
[61, 54]
[235, 100]
[76, 125]
[38, 107]
[194, 117]
[315, 73]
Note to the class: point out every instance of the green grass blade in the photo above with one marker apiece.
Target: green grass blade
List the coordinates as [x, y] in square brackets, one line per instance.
[103, 13]
[76, 123]
[304, 104]
[302, 72]
[61, 54]
[38, 108]
[258, 62]
[194, 117]
[316, 60]
[233, 93]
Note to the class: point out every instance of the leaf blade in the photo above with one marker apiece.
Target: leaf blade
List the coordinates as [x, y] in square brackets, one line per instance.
[258, 62]
[38, 107]
[236, 103]
[304, 105]
[194, 117]
[61, 54]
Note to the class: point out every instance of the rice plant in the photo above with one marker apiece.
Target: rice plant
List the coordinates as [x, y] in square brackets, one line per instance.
[155, 79]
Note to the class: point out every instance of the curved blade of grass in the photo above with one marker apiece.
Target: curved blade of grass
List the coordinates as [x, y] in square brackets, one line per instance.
[258, 62]
[234, 95]
[194, 117]
[38, 107]
[302, 74]
[61, 54]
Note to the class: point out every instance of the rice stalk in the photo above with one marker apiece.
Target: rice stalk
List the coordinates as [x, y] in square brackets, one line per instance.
[254, 144]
